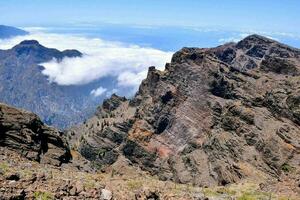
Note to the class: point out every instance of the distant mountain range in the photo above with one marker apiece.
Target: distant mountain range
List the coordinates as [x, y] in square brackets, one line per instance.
[9, 31]
[23, 85]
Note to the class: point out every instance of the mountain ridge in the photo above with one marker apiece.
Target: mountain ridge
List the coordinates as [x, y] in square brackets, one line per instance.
[212, 114]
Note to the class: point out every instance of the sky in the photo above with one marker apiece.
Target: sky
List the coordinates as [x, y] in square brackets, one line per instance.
[266, 15]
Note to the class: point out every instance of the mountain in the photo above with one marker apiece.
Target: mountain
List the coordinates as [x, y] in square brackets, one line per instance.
[22, 84]
[9, 31]
[214, 116]
[36, 163]
[217, 123]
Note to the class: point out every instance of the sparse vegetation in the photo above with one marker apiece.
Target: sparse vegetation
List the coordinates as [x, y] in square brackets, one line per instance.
[4, 167]
[286, 168]
[134, 184]
[247, 196]
[38, 195]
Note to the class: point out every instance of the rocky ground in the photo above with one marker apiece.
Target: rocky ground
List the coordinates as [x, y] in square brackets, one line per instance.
[24, 179]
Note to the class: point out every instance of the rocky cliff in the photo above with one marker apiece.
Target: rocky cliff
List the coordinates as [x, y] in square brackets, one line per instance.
[23, 132]
[214, 116]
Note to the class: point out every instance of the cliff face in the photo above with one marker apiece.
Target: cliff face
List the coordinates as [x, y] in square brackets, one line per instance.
[23, 132]
[213, 116]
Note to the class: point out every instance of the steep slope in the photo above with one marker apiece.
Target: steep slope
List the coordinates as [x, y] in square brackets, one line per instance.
[23, 132]
[9, 31]
[35, 163]
[214, 116]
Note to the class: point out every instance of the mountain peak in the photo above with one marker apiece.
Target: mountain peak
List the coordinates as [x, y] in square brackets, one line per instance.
[254, 39]
[29, 42]
[41, 53]
[256, 36]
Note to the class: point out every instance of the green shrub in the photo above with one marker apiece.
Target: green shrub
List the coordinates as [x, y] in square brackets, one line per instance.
[286, 168]
[247, 196]
[4, 167]
[38, 195]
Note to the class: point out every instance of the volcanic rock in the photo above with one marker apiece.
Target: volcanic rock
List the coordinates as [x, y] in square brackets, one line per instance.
[24, 133]
[214, 116]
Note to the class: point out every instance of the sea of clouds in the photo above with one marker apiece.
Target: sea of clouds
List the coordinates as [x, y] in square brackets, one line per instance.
[128, 63]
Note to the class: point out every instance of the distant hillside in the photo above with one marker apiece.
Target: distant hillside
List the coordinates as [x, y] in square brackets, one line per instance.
[23, 85]
[9, 31]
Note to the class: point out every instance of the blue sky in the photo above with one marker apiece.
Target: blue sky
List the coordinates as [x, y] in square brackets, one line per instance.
[267, 15]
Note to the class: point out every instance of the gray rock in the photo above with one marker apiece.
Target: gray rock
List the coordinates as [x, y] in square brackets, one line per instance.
[106, 194]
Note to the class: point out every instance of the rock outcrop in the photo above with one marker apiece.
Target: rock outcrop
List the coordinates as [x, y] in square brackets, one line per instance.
[23, 132]
[214, 116]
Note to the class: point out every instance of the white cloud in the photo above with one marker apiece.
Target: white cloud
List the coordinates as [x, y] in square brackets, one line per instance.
[236, 38]
[131, 79]
[101, 58]
[99, 91]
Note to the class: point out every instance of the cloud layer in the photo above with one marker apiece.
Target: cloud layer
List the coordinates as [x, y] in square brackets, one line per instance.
[128, 63]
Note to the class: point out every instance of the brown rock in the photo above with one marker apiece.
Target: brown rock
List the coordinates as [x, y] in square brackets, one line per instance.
[79, 187]
[23, 132]
[213, 117]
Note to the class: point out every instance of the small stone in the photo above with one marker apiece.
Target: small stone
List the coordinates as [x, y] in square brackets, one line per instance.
[41, 177]
[106, 194]
[83, 194]
[73, 191]
[12, 182]
[199, 196]
[79, 187]
[2, 172]
[32, 178]
[19, 194]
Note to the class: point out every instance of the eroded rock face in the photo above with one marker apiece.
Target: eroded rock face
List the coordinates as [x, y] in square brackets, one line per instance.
[23, 132]
[213, 117]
